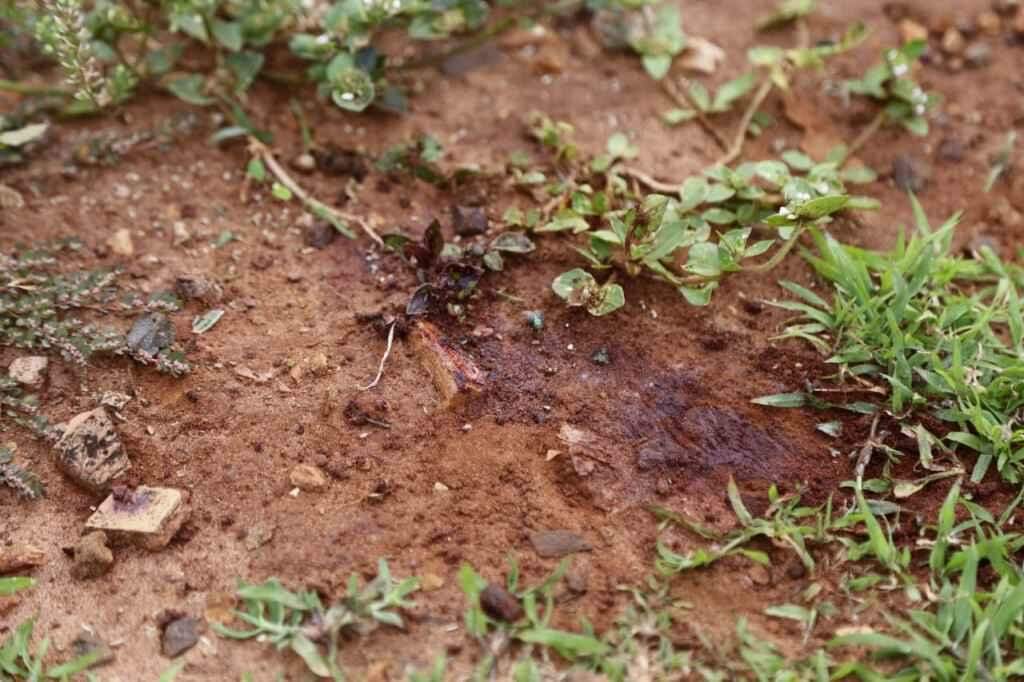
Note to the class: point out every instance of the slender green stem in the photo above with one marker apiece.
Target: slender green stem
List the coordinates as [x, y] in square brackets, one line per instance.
[23, 88]
[741, 131]
[867, 133]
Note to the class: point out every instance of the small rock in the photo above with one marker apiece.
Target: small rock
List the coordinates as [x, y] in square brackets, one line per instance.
[909, 174]
[150, 334]
[92, 556]
[150, 517]
[29, 370]
[121, 243]
[304, 163]
[431, 582]
[978, 55]
[990, 23]
[179, 636]
[20, 557]
[950, 149]
[317, 364]
[554, 544]
[601, 357]
[90, 451]
[500, 604]
[468, 221]
[334, 161]
[180, 234]
[584, 45]
[759, 575]
[550, 59]
[308, 478]
[294, 277]
[88, 643]
[953, 42]
[911, 30]
[535, 319]
[320, 234]
[198, 288]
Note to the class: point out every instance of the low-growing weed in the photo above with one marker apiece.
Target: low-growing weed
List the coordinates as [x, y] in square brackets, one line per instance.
[299, 621]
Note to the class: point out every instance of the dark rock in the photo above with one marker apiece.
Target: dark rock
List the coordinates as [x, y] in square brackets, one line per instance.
[951, 149]
[910, 174]
[151, 334]
[601, 357]
[92, 557]
[468, 221]
[90, 451]
[320, 234]
[179, 636]
[335, 161]
[500, 604]
[554, 544]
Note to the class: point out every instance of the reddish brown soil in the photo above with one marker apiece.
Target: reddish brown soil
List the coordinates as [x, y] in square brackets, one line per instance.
[673, 406]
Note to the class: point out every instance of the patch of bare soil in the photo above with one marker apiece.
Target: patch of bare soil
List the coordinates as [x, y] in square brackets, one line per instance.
[666, 421]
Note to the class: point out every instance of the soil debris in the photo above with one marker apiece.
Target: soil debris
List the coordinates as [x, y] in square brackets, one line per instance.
[90, 452]
[92, 556]
[454, 373]
[87, 642]
[20, 558]
[121, 243]
[198, 288]
[555, 544]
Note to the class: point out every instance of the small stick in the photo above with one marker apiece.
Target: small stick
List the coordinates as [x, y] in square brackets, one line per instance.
[741, 133]
[682, 97]
[866, 134]
[645, 179]
[318, 207]
[384, 358]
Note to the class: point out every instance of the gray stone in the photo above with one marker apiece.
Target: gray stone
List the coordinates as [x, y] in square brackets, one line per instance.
[30, 370]
[90, 451]
[179, 636]
[320, 234]
[554, 544]
[151, 334]
[468, 221]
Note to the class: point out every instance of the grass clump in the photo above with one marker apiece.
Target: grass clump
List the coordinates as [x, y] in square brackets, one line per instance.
[938, 332]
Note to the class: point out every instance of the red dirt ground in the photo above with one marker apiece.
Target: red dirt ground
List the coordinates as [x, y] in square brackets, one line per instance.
[673, 406]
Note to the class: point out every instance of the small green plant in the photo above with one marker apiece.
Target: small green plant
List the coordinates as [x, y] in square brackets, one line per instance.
[299, 621]
[673, 238]
[890, 82]
[787, 11]
[783, 523]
